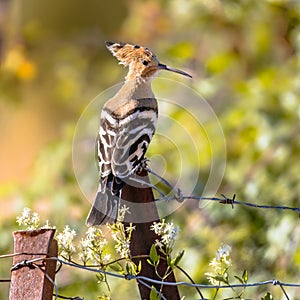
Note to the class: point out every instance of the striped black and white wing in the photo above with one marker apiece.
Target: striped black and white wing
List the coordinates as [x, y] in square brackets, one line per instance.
[105, 143]
[121, 145]
[106, 203]
[135, 133]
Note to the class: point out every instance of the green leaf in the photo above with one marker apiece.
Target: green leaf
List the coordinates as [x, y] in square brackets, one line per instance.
[131, 268]
[150, 262]
[267, 296]
[128, 268]
[245, 276]
[139, 268]
[219, 278]
[178, 258]
[116, 267]
[226, 277]
[239, 279]
[169, 261]
[100, 277]
[153, 254]
[153, 294]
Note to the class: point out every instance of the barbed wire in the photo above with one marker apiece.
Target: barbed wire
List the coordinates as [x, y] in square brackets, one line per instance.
[146, 281]
[179, 197]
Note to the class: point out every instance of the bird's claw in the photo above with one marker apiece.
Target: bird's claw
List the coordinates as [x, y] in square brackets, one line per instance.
[143, 165]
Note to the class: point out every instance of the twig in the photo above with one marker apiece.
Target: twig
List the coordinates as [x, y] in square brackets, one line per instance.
[191, 279]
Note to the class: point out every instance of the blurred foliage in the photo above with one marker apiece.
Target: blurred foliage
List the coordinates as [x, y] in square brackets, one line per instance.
[245, 60]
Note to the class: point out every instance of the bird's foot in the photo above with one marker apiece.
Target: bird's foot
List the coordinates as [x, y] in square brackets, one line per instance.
[143, 165]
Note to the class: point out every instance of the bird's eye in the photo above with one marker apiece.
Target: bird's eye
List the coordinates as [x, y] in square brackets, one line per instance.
[145, 62]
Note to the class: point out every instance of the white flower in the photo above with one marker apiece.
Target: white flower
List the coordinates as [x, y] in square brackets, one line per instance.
[106, 258]
[29, 219]
[215, 265]
[156, 227]
[224, 250]
[159, 244]
[48, 226]
[167, 231]
[122, 236]
[223, 254]
[210, 277]
[65, 242]
[122, 212]
[122, 247]
[92, 246]
[91, 233]
[86, 252]
[219, 264]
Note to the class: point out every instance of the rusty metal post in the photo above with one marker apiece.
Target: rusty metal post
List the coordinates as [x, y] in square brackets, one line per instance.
[143, 238]
[30, 281]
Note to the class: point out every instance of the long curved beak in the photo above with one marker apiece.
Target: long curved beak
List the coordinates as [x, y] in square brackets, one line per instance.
[165, 67]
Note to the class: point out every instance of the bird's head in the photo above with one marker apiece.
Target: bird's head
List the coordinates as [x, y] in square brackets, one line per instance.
[143, 64]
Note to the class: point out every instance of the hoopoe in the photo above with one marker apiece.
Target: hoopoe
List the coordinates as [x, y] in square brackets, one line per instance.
[127, 124]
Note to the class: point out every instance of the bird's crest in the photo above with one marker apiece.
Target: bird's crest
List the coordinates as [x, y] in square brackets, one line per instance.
[143, 64]
[127, 53]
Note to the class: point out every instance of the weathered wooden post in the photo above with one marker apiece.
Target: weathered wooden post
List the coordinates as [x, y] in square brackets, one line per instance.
[31, 281]
[143, 238]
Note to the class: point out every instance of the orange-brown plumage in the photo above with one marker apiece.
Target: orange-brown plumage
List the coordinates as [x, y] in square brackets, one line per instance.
[143, 64]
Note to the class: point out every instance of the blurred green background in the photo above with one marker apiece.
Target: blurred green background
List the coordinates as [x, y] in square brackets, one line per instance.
[245, 60]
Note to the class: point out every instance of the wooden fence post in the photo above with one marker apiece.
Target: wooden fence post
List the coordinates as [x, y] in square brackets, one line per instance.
[143, 238]
[29, 281]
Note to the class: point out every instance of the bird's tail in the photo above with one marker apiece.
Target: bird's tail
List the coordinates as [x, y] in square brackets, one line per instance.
[104, 210]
